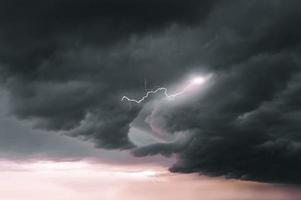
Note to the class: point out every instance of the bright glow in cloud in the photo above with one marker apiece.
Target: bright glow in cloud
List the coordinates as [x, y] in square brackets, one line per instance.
[192, 83]
[198, 80]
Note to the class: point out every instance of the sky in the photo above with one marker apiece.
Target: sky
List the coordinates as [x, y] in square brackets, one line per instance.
[174, 99]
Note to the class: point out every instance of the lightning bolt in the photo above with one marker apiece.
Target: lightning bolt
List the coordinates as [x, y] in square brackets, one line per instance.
[193, 82]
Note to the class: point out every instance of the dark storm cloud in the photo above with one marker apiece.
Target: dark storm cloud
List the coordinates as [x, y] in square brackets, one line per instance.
[247, 125]
[242, 127]
[67, 63]
[34, 31]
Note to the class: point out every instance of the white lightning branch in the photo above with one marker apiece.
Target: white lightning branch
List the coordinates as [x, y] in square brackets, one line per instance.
[195, 81]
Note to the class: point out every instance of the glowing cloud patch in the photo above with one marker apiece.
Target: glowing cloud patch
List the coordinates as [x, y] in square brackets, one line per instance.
[198, 80]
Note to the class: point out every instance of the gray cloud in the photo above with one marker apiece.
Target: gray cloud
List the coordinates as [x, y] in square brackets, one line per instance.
[73, 62]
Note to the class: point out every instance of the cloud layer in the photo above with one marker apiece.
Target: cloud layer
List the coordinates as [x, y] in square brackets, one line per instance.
[67, 64]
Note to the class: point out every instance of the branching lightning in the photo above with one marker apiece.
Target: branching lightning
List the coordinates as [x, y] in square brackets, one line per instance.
[193, 82]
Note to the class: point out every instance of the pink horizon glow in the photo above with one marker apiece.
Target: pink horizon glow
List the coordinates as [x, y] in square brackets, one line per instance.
[79, 180]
